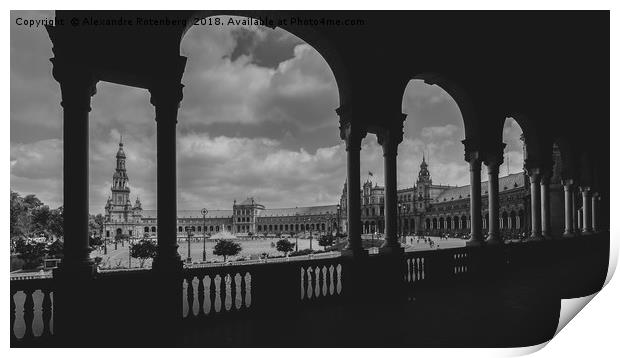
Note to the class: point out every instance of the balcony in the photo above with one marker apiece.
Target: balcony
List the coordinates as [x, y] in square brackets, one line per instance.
[470, 296]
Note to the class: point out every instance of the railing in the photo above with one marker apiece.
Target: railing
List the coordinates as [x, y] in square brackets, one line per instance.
[216, 291]
[209, 293]
[433, 266]
[32, 310]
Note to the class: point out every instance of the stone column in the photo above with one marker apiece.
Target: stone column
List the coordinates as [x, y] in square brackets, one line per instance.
[166, 97]
[575, 211]
[389, 140]
[595, 199]
[534, 174]
[475, 200]
[568, 208]
[493, 161]
[77, 86]
[545, 205]
[586, 206]
[352, 135]
[73, 291]
[580, 219]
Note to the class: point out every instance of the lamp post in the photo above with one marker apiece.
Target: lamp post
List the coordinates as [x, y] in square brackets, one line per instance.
[190, 233]
[105, 245]
[400, 227]
[204, 227]
[338, 222]
[310, 236]
[297, 234]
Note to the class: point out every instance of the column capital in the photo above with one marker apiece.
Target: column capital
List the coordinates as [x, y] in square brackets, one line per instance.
[77, 83]
[167, 94]
[474, 158]
[568, 183]
[352, 133]
[534, 173]
[545, 177]
[389, 138]
[494, 158]
[584, 189]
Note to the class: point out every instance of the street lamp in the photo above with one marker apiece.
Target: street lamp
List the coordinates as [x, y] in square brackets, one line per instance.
[399, 226]
[204, 245]
[338, 222]
[297, 234]
[190, 233]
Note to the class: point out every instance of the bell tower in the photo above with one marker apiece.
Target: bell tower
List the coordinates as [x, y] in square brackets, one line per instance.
[120, 180]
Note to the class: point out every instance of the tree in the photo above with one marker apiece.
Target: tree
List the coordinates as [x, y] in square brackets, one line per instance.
[56, 223]
[326, 240]
[95, 241]
[226, 248]
[55, 249]
[285, 246]
[143, 250]
[31, 252]
[20, 218]
[95, 225]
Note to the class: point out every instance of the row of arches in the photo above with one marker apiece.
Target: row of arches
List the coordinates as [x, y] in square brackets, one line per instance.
[508, 220]
[273, 228]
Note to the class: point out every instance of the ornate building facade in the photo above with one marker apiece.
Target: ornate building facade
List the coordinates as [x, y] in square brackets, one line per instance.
[435, 209]
[247, 217]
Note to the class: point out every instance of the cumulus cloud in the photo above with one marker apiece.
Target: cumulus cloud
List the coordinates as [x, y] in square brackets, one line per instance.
[257, 119]
[226, 81]
[447, 131]
[224, 168]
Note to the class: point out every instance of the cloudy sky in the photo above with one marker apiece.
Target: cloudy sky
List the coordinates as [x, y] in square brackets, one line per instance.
[257, 119]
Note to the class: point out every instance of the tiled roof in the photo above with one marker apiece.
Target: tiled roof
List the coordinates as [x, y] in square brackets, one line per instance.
[507, 182]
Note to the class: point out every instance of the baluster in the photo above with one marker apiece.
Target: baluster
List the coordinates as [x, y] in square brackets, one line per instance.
[339, 280]
[223, 288]
[46, 308]
[242, 290]
[309, 272]
[331, 279]
[28, 313]
[190, 296]
[213, 293]
[185, 312]
[419, 275]
[13, 336]
[324, 281]
[302, 282]
[317, 282]
[248, 289]
[201, 294]
[52, 317]
[422, 268]
[409, 269]
[233, 291]
[208, 305]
